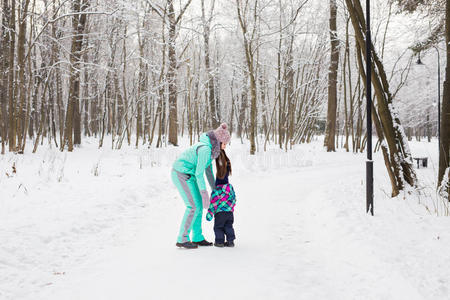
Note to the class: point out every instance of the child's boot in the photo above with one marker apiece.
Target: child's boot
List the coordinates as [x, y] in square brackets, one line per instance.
[229, 244]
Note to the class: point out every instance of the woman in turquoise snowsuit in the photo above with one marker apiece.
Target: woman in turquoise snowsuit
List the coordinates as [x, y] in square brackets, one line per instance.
[188, 176]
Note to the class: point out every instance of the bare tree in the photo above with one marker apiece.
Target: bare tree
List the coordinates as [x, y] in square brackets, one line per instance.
[332, 80]
[249, 38]
[444, 148]
[173, 21]
[206, 22]
[4, 66]
[72, 126]
[11, 76]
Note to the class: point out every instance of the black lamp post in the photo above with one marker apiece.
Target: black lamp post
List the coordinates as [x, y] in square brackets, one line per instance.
[369, 162]
[439, 97]
[419, 62]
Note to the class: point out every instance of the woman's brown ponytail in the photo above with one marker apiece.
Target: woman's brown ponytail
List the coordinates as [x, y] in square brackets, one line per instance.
[222, 164]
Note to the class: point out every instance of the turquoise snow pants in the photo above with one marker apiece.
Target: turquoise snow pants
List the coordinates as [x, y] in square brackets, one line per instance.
[192, 220]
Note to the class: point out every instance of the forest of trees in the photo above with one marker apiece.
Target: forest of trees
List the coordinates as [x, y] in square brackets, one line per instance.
[148, 72]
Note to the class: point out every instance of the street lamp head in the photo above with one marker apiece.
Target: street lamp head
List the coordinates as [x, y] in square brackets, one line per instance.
[419, 61]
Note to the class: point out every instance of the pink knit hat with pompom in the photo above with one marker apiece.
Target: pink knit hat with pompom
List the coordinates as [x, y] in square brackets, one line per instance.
[222, 134]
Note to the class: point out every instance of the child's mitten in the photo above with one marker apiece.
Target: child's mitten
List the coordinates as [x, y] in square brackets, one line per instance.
[205, 199]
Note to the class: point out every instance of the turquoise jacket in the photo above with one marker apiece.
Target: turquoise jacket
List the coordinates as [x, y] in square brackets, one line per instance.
[197, 160]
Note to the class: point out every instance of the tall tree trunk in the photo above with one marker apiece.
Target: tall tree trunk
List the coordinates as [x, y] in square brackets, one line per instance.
[37, 77]
[347, 100]
[172, 77]
[20, 87]
[281, 106]
[332, 80]
[209, 71]
[142, 85]
[57, 84]
[262, 92]
[173, 21]
[444, 148]
[124, 87]
[4, 65]
[11, 76]
[248, 49]
[87, 100]
[72, 133]
[138, 119]
[33, 85]
[60, 106]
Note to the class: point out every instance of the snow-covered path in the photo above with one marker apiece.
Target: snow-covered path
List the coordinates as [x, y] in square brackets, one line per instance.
[301, 234]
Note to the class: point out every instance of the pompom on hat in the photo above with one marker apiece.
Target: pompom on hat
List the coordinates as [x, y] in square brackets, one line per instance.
[222, 134]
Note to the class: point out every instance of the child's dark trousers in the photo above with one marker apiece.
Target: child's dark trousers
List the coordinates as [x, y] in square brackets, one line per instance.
[223, 226]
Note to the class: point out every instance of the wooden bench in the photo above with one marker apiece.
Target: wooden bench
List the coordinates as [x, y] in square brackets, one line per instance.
[424, 161]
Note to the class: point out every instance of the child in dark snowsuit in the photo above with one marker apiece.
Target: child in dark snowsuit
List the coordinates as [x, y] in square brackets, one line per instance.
[223, 200]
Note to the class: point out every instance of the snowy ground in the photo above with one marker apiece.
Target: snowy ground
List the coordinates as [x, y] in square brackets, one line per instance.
[102, 224]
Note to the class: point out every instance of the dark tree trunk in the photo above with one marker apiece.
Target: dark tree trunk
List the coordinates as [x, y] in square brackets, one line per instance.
[332, 80]
[20, 87]
[172, 78]
[444, 148]
[11, 76]
[211, 78]
[72, 133]
[4, 65]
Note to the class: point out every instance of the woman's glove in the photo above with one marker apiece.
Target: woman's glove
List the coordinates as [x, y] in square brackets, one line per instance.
[205, 199]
